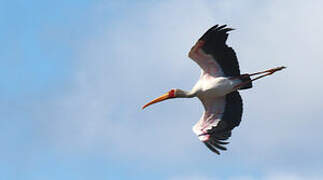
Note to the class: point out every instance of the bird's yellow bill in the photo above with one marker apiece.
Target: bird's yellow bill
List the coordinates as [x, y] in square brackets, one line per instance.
[161, 98]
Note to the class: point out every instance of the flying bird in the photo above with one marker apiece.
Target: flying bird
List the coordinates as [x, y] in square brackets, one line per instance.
[217, 88]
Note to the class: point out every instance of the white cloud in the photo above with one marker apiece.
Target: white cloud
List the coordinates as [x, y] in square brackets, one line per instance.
[144, 55]
[270, 176]
[192, 177]
[117, 75]
[291, 176]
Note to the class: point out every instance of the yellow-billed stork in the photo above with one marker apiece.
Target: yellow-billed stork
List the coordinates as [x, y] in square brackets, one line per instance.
[217, 88]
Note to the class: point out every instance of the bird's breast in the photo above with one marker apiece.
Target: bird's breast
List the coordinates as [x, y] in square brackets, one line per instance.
[215, 87]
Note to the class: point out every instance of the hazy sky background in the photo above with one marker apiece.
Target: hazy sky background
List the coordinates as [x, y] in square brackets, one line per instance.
[74, 75]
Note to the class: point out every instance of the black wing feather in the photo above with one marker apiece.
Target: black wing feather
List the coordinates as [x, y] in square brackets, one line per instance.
[233, 109]
[231, 118]
[215, 44]
[211, 148]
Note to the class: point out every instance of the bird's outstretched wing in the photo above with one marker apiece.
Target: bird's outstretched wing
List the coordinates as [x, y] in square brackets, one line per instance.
[213, 55]
[220, 117]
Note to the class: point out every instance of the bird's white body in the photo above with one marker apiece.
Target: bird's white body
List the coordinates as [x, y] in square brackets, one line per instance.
[211, 91]
[210, 87]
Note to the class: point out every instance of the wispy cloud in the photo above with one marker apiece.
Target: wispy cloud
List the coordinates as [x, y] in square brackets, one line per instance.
[144, 54]
[118, 73]
[270, 176]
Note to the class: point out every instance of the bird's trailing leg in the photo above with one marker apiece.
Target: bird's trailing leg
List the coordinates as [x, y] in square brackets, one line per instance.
[265, 73]
[269, 71]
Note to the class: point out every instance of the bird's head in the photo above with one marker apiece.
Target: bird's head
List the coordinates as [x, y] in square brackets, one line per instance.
[174, 93]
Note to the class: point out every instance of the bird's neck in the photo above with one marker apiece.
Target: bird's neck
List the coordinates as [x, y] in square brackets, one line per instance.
[185, 94]
[190, 94]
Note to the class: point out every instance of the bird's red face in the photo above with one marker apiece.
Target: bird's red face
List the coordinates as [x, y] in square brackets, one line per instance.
[168, 95]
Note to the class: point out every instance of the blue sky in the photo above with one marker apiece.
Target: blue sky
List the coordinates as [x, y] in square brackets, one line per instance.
[74, 74]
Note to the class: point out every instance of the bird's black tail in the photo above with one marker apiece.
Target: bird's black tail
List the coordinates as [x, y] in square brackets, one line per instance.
[246, 80]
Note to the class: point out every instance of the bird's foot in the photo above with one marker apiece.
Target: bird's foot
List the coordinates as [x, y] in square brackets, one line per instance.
[271, 71]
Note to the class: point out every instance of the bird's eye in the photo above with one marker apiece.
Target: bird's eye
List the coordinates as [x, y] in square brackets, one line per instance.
[171, 93]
